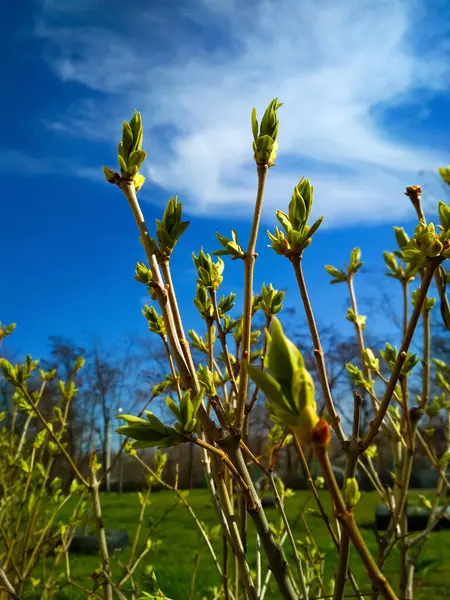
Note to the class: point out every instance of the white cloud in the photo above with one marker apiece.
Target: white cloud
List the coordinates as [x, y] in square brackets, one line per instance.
[332, 64]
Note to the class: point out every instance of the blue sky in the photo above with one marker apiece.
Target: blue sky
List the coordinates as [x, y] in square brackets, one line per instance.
[366, 92]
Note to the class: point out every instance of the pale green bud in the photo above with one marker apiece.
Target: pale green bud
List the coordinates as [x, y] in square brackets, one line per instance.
[351, 492]
[370, 360]
[444, 172]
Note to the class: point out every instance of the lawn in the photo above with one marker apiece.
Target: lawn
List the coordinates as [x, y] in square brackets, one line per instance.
[180, 541]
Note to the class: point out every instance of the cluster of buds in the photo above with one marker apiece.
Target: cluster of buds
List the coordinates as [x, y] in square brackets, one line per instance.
[442, 375]
[427, 243]
[18, 374]
[160, 387]
[68, 390]
[142, 274]
[370, 360]
[149, 433]
[390, 355]
[357, 377]
[444, 172]
[298, 234]
[169, 229]
[442, 279]
[270, 301]
[359, 320]
[152, 432]
[203, 303]
[155, 322]
[265, 143]
[130, 154]
[402, 239]
[6, 330]
[287, 385]
[209, 273]
[427, 305]
[231, 247]
[352, 494]
[437, 404]
[208, 379]
[341, 275]
[198, 342]
[404, 273]
[185, 412]
[47, 375]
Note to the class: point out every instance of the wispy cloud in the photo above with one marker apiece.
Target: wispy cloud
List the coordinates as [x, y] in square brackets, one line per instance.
[26, 164]
[196, 72]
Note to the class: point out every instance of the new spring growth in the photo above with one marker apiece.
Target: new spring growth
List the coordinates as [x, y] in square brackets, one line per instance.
[155, 322]
[159, 388]
[209, 273]
[270, 302]
[142, 274]
[298, 234]
[352, 494]
[442, 278]
[231, 246]
[203, 303]
[341, 275]
[208, 379]
[185, 412]
[371, 360]
[402, 239]
[359, 320]
[265, 143]
[287, 385]
[371, 451]
[130, 155]
[436, 405]
[6, 330]
[197, 341]
[389, 355]
[427, 305]
[424, 502]
[405, 274]
[170, 228]
[150, 432]
[357, 377]
[444, 172]
[427, 242]
[18, 374]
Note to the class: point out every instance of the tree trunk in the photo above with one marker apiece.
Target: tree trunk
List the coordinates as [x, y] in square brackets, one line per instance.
[107, 458]
[121, 473]
[191, 466]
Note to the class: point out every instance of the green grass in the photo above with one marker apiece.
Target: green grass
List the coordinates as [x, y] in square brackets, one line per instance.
[180, 541]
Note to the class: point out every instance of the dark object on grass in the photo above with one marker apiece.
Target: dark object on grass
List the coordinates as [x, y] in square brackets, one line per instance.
[88, 544]
[268, 502]
[417, 518]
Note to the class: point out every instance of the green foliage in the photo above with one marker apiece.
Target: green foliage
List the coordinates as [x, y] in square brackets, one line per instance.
[287, 385]
[270, 301]
[352, 494]
[169, 229]
[390, 354]
[359, 320]
[209, 273]
[342, 275]
[150, 432]
[33, 498]
[231, 246]
[130, 154]
[265, 142]
[298, 234]
[6, 330]
[155, 321]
